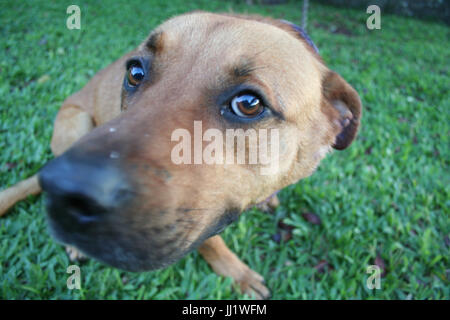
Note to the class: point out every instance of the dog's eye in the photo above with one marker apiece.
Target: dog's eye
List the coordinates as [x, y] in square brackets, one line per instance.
[135, 74]
[246, 105]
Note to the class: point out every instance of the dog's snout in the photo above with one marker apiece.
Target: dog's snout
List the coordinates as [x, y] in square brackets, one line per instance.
[83, 189]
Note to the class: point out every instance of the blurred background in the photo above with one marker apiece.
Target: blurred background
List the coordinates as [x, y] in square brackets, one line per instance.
[425, 9]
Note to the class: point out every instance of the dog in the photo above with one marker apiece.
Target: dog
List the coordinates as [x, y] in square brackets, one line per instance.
[113, 191]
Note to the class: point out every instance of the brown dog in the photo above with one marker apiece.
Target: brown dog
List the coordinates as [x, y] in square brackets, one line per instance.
[117, 194]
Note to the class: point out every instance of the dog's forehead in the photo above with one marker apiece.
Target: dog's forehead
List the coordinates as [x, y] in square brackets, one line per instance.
[233, 36]
[204, 47]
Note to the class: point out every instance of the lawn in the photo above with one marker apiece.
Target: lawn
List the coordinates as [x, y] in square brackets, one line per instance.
[383, 201]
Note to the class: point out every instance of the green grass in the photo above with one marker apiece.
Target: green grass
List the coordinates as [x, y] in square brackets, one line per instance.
[388, 194]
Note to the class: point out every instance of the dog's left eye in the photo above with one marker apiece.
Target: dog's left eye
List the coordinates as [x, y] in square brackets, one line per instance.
[246, 106]
[135, 74]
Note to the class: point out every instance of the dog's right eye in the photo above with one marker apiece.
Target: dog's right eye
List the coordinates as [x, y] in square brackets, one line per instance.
[135, 74]
[246, 106]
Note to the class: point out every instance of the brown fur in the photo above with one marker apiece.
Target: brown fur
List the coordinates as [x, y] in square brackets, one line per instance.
[195, 57]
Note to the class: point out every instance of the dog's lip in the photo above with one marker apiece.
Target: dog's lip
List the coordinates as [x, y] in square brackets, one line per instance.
[108, 250]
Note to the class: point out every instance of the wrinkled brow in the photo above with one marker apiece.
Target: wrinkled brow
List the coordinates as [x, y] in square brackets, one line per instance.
[155, 42]
[243, 69]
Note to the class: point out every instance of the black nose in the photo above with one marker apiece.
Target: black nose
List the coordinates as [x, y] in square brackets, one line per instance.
[83, 189]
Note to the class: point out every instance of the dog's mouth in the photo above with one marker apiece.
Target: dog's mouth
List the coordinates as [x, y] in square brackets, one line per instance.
[125, 243]
[118, 244]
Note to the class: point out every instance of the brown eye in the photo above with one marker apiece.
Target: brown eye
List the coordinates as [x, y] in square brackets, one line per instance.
[246, 105]
[135, 75]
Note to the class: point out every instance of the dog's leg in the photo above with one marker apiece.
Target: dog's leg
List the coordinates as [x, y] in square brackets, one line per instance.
[18, 192]
[226, 263]
[71, 124]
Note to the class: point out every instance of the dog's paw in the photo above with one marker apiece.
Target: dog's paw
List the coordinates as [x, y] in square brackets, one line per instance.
[74, 254]
[252, 284]
[270, 204]
[227, 264]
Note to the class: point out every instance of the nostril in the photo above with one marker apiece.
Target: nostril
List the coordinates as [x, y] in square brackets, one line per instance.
[83, 189]
[83, 206]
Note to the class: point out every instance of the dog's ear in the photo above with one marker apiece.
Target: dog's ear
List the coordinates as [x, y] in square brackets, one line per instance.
[299, 32]
[342, 105]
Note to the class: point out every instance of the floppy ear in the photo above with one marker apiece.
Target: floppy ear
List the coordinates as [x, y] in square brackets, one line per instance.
[342, 105]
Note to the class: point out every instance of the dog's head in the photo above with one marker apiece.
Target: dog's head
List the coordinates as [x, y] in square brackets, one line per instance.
[173, 168]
